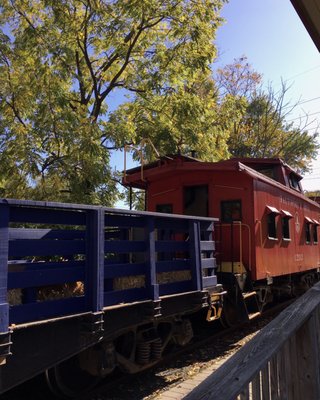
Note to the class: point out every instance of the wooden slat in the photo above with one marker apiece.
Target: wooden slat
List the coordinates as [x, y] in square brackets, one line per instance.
[125, 296]
[244, 395]
[22, 248]
[282, 373]
[118, 270]
[124, 221]
[22, 265]
[24, 233]
[175, 287]
[43, 277]
[265, 378]
[293, 367]
[171, 246]
[47, 216]
[274, 379]
[124, 246]
[256, 387]
[172, 265]
[47, 309]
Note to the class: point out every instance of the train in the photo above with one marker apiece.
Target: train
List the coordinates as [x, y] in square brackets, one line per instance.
[267, 233]
[87, 290]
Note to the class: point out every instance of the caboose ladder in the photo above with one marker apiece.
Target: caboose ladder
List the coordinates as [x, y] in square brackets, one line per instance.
[251, 304]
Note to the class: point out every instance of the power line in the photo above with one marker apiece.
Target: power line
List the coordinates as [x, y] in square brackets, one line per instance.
[303, 72]
[302, 102]
[305, 116]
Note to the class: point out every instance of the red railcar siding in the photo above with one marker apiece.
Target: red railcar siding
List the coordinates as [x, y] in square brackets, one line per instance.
[281, 257]
[262, 256]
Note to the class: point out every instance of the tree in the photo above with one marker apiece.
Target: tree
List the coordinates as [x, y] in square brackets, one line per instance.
[60, 62]
[262, 130]
[183, 120]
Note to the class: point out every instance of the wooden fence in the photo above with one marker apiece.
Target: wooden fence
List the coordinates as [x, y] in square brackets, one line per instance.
[280, 363]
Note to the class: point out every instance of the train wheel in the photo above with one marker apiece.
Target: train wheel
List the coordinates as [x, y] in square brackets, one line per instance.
[67, 380]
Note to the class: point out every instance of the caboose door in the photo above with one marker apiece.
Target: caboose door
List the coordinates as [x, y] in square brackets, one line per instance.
[195, 200]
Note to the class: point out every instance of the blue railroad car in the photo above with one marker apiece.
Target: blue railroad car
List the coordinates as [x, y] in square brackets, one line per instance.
[87, 289]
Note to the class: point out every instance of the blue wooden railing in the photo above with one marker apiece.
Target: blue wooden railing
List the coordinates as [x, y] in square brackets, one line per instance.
[118, 256]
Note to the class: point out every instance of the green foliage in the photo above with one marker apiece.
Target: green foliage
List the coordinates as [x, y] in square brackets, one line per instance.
[262, 130]
[60, 63]
[180, 121]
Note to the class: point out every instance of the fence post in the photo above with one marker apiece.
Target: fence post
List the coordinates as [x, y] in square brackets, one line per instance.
[195, 254]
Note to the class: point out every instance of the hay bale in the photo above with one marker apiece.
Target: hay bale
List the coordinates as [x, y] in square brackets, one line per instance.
[14, 297]
[56, 292]
[139, 281]
[129, 282]
[173, 276]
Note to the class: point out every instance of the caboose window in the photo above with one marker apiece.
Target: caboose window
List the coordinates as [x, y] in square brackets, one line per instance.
[285, 228]
[231, 211]
[272, 226]
[272, 213]
[294, 182]
[286, 215]
[315, 233]
[307, 230]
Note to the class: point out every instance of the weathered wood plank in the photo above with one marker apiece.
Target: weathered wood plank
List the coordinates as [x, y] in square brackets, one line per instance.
[244, 395]
[256, 387]
[308, 358]
[265, 383]
[274, 379]
[286, 371]
[242, 367]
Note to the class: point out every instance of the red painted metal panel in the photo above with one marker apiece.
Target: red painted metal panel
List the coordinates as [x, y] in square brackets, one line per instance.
[262, 256]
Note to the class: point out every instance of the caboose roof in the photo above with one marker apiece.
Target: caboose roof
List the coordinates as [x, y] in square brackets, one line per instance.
[139, 177]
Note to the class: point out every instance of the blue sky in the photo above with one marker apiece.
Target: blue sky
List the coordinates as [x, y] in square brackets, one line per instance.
[277, 45]
[271, 35]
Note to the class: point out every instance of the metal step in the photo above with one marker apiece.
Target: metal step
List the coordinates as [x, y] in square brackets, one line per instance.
[254, 315]
[248, 294]
[251, 304]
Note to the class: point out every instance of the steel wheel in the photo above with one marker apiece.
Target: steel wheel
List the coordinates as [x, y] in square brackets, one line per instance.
[68, 380]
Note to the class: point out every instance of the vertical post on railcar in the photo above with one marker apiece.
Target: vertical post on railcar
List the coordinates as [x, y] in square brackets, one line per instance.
[94, 260]
[4, 306]
[195, 255]
[151, 274]
[130, 197]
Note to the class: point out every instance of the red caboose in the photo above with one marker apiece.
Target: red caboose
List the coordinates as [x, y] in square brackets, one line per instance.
[267, 238]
